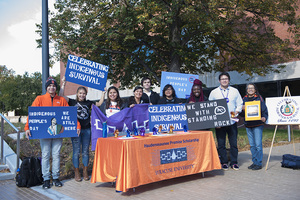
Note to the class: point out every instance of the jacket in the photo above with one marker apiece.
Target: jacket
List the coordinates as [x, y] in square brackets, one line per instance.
[263, 108]
[46, 100]
[154, 98]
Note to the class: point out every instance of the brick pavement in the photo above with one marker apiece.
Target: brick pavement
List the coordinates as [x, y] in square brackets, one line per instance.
[275, 183]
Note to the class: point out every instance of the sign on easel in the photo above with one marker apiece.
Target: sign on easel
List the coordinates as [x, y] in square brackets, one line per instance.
[283, 111]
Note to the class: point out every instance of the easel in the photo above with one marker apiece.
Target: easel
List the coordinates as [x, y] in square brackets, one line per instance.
[286, 94]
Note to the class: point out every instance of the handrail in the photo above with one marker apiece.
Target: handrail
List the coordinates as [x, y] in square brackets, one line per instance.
[18, 138]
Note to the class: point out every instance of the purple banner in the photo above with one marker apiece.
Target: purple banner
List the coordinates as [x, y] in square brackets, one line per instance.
[128, 118]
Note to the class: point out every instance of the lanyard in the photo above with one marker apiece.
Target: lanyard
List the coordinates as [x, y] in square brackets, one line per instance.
[227, 99]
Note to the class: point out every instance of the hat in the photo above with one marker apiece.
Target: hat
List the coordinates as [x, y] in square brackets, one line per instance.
[49, 81]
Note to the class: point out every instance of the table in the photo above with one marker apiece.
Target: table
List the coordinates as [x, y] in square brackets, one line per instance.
[143, 160]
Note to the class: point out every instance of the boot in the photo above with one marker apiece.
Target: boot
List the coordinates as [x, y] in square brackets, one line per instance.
[85, 174]
[77, 175]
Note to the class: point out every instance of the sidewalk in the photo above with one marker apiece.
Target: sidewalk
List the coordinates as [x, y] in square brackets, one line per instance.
[275, 183]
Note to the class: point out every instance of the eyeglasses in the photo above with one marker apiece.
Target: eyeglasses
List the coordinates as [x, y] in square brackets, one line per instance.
[224, 79]
[250, 88]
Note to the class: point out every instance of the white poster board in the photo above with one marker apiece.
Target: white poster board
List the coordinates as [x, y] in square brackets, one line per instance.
[283, 110]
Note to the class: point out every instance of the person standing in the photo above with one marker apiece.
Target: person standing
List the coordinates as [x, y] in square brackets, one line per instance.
[149, 96]
[234, 103]
[53, 144]
[169, 96]
[136, 99]
[196, 93]
[255, 128]
[83, 141]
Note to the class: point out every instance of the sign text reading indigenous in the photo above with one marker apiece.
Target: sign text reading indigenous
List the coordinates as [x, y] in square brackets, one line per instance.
[87, 73]
[52, 122]
[207, 114]
[167, 115]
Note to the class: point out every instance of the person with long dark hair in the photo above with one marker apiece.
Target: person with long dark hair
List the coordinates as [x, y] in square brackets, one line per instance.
[255, 128]
[113, 104]
[84, 139]
[169, 96]
[137, 98]
[196, 93]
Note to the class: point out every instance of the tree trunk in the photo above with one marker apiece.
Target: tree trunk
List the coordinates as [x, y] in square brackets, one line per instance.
[175, 41]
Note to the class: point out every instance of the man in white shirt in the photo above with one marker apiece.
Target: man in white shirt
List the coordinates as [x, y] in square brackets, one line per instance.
[234, 102]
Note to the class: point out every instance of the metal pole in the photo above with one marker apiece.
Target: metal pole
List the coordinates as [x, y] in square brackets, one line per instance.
[2, 131]
[18, 151]
[289, 132]
[45, 44]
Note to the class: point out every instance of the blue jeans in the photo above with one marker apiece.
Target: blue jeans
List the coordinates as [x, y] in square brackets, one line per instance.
[232, 137]
[83, 141]
[255, 141]
[48, 146]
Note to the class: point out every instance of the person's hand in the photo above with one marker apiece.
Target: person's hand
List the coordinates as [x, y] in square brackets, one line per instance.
[78, 132]
[132, 105]
[263, 119]
[243, 107]
[191, 102]
[28, 134]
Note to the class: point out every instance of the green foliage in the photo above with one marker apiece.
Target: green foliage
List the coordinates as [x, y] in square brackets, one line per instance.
[137, 38]
[18, 92]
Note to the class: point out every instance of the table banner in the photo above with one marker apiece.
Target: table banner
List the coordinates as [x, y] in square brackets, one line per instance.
[182, 83]
[141, 161]
[283, 110]
[128, 118]
[167, 115]
[207, 114]
[85, 72]
[52, 122]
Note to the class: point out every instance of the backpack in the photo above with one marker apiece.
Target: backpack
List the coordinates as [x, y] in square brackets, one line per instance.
[30, 173]
[290, 161]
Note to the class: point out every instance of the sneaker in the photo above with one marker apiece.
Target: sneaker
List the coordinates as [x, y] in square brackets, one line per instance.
[46, 184]
[256, 167]
[235, 167]
[225, 167]
[251, 166]
[57, 183]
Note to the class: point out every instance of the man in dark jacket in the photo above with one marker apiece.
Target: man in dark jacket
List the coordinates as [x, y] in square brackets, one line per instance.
[149, 96]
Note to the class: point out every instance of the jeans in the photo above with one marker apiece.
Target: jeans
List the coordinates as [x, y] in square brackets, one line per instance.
[83, 141]
[255, 141]
[48, 146]
[232, 137]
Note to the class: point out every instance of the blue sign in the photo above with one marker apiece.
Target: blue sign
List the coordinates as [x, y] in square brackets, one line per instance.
[85, 72]
[167, 115]
[52, 122]
[182, 83]
[173, 155]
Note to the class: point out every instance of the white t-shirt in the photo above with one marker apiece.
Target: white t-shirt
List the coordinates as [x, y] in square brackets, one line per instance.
[113, 109]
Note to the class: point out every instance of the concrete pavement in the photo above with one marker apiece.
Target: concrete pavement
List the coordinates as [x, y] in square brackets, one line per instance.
[275, 183]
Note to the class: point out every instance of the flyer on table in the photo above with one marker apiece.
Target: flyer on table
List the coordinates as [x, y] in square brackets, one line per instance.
[182, 83]
[85, 72]
[52, 122]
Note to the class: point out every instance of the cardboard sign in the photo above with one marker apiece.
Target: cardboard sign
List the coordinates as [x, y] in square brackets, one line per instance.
[252, 111]
[283, 110]
[207, 114]
[182, 83]
[52, 122]
[85, 72]
[167, 115]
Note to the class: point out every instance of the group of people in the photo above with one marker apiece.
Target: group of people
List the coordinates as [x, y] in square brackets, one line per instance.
[143, 94]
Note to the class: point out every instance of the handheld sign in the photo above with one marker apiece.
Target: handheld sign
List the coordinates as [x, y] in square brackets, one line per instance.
[283, 110]
[85, 72]
[207, 114]
[252, 111]
[167, 115]
[182, 83]
[52, 122]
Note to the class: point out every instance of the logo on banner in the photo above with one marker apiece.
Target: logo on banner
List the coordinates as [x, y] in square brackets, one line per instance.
[286, 108]
[173, 155]
[191, 79]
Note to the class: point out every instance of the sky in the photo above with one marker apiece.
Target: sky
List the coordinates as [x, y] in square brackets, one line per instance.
[18, 47]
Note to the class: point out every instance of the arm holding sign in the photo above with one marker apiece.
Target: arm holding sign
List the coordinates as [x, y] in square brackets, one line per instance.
[62, 89]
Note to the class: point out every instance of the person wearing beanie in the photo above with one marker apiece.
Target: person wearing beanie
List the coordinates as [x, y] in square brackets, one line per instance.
[50, 144]
[196, 93]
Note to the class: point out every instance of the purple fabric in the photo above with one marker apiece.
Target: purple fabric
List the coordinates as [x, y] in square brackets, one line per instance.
[128, 118]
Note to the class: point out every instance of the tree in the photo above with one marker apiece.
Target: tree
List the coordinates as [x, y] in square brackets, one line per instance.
[18, 92]
[139, 37]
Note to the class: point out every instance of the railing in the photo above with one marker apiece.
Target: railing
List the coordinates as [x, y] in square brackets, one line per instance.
[18, 139]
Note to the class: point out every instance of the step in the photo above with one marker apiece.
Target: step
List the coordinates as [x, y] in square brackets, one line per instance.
[5, 175]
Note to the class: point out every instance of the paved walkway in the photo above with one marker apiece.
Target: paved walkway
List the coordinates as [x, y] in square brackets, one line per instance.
[275, 183]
